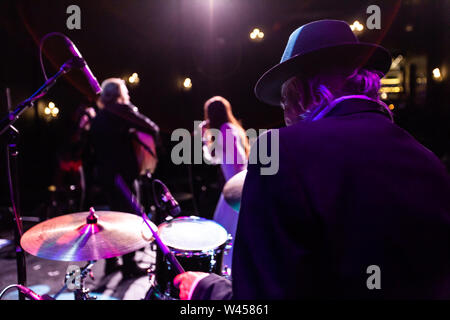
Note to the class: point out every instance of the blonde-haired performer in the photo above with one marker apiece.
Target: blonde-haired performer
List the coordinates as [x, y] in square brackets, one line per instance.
[124, 143]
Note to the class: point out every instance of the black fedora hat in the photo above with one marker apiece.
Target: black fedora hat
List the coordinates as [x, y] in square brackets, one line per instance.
[315, 46]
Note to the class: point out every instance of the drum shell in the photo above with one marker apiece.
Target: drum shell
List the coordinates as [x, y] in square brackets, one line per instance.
[204, 261]
[197, 243]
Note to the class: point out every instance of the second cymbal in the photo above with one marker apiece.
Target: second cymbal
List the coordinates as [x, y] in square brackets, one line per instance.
[232, 191]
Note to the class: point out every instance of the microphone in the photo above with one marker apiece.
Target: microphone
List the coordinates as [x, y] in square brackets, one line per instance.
[200, 127]
[30, 294]
[203, 123]
[172, 204]
[167, 198]
[81, 63]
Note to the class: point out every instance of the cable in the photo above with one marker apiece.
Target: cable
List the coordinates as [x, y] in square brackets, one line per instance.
[12, 191]
[41, 44]
[170, 204]
[157, 201]
[7, 288]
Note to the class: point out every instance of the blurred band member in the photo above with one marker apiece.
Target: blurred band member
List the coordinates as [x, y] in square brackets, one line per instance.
[69, 184]
[124, 143]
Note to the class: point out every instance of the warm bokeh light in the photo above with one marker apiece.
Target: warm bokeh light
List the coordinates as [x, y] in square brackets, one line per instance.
[55, 112]
[391, 89]
[437, 74]
[387, 81]
[391, 107]
[134, 78]
[187, 83]
[256, 34]
[396, 62]
[409, 28]
[51, 110]
[357, 26]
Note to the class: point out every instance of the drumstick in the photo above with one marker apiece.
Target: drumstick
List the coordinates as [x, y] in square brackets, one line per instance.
[140, 210]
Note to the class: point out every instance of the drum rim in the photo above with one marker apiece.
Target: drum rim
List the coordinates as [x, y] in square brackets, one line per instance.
[198, 253]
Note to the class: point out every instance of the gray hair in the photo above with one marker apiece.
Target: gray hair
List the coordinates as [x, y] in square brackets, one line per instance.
[310, 95]
[111, 90]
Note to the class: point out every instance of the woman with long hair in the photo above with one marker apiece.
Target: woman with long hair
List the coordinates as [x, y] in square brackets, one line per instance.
[227, 145]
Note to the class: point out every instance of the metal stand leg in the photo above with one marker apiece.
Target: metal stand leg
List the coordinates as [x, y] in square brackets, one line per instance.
[12, 154]
[80, 293]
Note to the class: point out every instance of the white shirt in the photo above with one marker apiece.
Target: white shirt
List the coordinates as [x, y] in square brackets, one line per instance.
[229, 151]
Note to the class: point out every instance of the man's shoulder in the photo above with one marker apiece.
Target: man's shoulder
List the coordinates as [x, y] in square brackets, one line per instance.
[286, 134]
[351, 125]
[119, 107]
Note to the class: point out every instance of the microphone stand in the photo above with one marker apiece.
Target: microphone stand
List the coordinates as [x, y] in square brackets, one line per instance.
[11, 140]
[6, 122]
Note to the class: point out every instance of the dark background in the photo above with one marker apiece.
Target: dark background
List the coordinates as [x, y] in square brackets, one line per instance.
[165, 41]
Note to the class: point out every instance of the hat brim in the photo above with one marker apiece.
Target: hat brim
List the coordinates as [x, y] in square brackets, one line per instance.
[353, 55]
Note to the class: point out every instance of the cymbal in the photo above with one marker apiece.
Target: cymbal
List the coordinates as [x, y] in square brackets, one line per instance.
[232, 191]
[73, 237]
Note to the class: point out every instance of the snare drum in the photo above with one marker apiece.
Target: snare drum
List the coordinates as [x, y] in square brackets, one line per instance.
[197, 243]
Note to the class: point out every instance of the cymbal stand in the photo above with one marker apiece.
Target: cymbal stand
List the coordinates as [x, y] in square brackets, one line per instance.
[81, 292]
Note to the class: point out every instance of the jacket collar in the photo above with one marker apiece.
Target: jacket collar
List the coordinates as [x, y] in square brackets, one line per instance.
[353, 105]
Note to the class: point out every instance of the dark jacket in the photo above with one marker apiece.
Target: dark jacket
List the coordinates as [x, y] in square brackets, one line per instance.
[111, 138]
[353, 190]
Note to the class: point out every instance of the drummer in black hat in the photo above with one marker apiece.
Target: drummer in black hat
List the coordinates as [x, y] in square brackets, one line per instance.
[358, 208]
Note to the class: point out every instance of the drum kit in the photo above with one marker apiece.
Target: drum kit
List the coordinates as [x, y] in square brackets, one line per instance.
[198, 244]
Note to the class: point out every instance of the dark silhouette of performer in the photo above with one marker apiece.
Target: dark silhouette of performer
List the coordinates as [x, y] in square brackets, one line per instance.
[124, 143]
